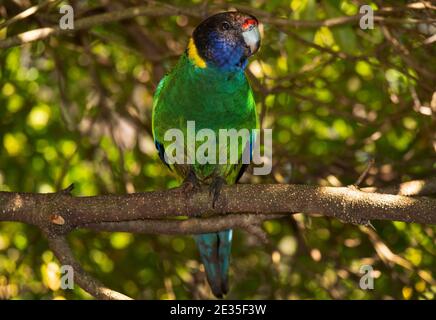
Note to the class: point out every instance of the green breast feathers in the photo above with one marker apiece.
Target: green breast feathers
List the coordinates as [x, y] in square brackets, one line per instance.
[204, 98]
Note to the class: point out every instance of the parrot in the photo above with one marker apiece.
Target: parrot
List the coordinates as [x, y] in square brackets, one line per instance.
[208, 85]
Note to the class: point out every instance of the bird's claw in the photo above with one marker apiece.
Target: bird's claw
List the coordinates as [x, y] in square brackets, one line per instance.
[191, 184]
[215, 189]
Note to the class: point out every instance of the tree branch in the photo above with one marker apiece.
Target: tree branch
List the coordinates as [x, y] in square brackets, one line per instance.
[85, 23]
[27, 13]
[157, 9]
[60, 212]
[61, 249]
[409, 188]
[244, 206]
[186, 226]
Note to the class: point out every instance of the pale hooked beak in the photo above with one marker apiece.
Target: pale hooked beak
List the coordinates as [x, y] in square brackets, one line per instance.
[252, 38]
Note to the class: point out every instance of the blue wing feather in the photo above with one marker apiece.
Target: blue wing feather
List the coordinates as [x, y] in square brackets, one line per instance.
[161, 150]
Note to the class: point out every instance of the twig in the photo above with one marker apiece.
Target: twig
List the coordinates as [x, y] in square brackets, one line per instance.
[390, 258]
[410, 188]
[405, 54]
[68, 189]
[27, 13]
[331, 22]
[84, 23]
[168, 10]
[365, 172]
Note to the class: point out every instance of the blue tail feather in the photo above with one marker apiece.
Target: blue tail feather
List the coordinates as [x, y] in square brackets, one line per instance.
[215, 254]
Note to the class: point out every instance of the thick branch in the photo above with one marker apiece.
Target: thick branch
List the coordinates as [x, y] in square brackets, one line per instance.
[61, 212]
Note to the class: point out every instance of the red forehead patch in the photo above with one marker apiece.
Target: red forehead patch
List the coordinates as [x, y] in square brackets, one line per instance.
[248, 23]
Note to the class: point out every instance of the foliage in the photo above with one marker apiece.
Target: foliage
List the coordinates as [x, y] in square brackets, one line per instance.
[76, 108]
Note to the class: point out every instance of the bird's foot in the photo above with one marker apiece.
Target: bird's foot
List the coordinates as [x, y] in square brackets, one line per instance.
[215, 189]
[190, 185]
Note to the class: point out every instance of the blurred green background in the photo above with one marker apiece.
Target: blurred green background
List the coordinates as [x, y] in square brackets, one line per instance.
[76, 109]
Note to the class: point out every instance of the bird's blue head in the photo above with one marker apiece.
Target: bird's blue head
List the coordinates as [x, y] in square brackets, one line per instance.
[225, 41]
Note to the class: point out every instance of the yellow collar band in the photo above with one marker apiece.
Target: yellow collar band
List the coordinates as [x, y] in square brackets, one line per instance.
[194, 56]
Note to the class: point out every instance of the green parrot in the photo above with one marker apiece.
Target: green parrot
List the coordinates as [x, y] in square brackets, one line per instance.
[209, 87]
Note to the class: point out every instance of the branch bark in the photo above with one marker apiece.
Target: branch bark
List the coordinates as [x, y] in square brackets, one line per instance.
[244, 206]
[60, 212]
[409, 188]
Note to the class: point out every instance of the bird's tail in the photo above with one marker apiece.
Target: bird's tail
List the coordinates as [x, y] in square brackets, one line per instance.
[215, 254]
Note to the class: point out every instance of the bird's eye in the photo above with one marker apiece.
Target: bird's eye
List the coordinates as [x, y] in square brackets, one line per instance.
[225, 25]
